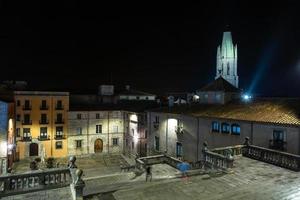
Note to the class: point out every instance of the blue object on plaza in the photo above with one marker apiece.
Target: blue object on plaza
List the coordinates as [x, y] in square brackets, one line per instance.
[183, 167]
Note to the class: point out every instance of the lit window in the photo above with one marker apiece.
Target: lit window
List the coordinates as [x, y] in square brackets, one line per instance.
[225, 128]
[235, 129]
[215, 126]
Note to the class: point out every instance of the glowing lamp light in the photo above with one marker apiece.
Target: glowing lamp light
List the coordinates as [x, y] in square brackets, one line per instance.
[246, 97]
[10, 146]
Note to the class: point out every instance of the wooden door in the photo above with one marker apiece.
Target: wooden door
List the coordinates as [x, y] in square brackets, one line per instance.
[33, 149]
[98, 147]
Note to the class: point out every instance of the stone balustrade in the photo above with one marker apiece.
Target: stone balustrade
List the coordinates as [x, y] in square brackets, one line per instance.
[157, 159]
[34, 181]
[282, 159]
[215, 160]
[233, 150]
[14, 184]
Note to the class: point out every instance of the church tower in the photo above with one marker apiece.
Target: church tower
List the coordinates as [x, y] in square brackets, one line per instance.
[227, 60]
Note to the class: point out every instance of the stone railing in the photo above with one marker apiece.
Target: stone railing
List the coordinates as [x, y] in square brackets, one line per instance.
[233, 150]
[14, 184]
[34, 181]
[282, 159]
[215, 160]
[157, 159]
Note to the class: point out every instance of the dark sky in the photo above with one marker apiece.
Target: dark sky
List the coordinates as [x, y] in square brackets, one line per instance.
[169, 47]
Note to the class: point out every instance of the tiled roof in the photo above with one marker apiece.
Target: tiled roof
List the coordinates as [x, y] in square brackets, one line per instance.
[279, 111]
[220, 84]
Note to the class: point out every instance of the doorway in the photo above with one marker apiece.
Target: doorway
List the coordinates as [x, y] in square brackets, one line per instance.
[98, 146]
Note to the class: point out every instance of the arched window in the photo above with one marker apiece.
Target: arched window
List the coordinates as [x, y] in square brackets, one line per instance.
[215, 127]
[225, 128]
[235, 129]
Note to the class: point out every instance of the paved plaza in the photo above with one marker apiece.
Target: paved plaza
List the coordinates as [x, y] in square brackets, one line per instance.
[249, 179]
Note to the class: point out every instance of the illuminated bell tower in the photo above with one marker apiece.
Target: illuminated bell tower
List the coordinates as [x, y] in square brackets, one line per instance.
[227, 60]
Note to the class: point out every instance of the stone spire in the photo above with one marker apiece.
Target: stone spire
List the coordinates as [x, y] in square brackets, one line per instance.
[227, 60]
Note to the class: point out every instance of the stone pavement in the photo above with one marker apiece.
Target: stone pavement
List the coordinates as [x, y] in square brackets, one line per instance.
[249, 179]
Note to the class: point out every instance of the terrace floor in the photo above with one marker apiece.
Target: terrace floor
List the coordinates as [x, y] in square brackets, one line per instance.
[249, 179]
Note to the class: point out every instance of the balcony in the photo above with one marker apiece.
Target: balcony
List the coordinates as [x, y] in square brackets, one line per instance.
[279, 145]
[26, 139]
[27, 107]
[26, 122]
[43, 138]
[59, 121]
[44, 107]
[59, 107]
[44, 121]
[59, 137]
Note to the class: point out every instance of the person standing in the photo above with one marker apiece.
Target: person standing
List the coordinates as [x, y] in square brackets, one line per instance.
[148, 173]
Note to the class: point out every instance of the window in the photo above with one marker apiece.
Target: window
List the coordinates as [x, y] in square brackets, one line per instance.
[157, 119]
[78, 143]
[58, 145]
[178, 149]
[43, 132]
[115, 141]
[79, 131]
[59, 131]
[59, 104]
[235, 129]
[215, 127]
[59, 117]
[78, 116]
[225, 128]
[147, 98]
[27, 118]
[228, 69]
[18, 103]
[26, 132]
[146, 133]
[97, 116]
[18, 118]
[18, 132]
[132, 131]
[27, 104]
[44, 104]
[115, 129]
[156, 143]
[278, 135]
[43, 118]
[99, 128]
[137, 97]
[132, 145]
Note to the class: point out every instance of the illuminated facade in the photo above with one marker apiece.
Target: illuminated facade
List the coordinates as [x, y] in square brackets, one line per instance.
[96, 132]
[227, 60]
[6, 136]
[41, 123]
[179, 132]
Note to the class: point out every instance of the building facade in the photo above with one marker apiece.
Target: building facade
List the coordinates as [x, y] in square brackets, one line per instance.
[41, 123]
[181, 133]
[6, 135]
[102, 131]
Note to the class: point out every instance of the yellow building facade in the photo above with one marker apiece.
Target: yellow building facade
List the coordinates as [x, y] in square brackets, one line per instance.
[41, 123]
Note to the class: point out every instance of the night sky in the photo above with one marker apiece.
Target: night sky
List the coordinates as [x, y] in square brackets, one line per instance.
[153, 47]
